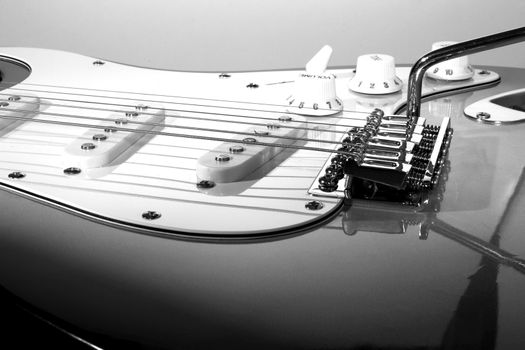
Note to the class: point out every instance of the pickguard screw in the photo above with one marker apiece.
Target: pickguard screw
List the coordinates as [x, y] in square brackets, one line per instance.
[16, 175]
[314, 205]
[484, 72]
[4, 104]
[88, 146]
[13, 98]
[151, 215]
[205, 184]
[483, 115]
[72, 171]
[252, 86]
[100, 137]
[99, 63]
[285, 118]
[110, 130]
[224, 75]
[249, 140]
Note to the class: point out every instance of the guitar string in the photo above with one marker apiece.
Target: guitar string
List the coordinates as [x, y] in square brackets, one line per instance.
[187, 97]
[236, 122]
[187, 104]
[163, 133]
[152, 124]
[196, 105]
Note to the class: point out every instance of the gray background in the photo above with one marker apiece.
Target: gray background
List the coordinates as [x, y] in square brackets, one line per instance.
[226, 35]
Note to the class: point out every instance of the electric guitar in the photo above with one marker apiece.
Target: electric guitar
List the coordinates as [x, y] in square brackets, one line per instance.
[276, 209]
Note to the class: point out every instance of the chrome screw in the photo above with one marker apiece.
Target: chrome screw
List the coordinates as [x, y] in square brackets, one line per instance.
[249, 140]
[88, 146]
[205, 184]
[14, 98]
[484, 72]
[151, 215]
[100, 137]
[99, 63]
[223, 158]
[236, 149]
[314, 205]
[483, 115]
[16, 175]
[72, 171]
[110, 130]
[285, 118]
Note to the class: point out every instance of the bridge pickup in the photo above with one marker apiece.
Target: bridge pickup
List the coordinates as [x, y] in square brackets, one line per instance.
[231, 162]
[119, 135]
[16, 110]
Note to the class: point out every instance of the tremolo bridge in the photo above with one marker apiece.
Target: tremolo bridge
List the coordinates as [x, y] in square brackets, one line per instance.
[393, 165]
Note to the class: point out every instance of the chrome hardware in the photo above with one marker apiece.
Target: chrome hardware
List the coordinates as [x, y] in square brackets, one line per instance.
[16, 175]
[14, 98]
[205, 184]
[249, 140]
[88, 146]
[483, 115]
[100, 137]
[236, 149]
[151, 215]
[121, 121]
[314, 205]
[131, 114]
[110, 130]
[285, 118]
[223, 158]
[99, 63]
[4, 104]
[72, 171]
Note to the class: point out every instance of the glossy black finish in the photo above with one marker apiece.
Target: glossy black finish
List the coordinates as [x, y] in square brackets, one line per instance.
[375, 277]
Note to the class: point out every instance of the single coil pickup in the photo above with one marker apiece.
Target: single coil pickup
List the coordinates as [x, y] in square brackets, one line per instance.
[16, 110]
[229, 162]
[116, 138]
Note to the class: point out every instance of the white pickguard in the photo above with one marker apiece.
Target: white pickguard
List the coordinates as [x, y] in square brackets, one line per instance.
[159, 173]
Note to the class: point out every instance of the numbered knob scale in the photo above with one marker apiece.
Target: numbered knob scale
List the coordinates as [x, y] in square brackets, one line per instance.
[376, 75]
[314, 91]
[451, 70]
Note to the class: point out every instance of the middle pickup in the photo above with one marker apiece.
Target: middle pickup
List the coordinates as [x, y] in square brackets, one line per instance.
[231, 162]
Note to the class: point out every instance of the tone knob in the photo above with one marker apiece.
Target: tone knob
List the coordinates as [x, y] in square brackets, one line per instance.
[375, 74]
[314, 91]
[454, 69]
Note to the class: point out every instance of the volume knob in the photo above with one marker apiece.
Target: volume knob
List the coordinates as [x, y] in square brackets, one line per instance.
[376, 75]
[454, 69]
[314, 91]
